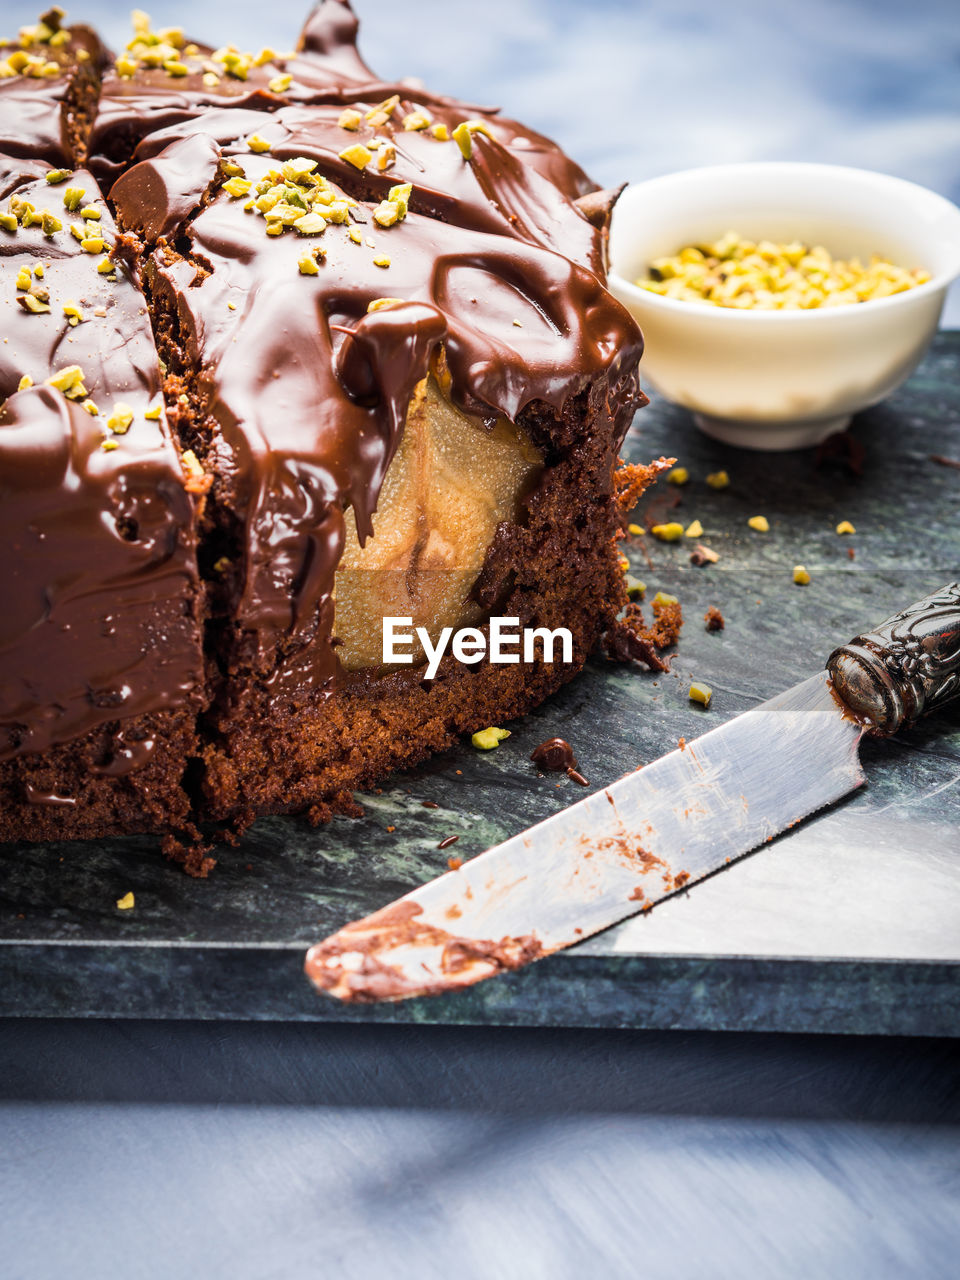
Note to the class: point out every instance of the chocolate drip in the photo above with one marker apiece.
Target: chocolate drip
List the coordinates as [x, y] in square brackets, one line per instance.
[97, 548]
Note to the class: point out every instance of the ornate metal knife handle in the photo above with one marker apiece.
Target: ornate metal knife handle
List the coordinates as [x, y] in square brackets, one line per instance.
[907, 666]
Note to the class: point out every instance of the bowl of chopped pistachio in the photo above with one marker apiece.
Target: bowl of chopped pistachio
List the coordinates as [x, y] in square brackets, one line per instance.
[778, 299]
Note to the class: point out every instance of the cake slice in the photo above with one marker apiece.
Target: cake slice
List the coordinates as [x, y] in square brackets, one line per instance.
[101, 664]
[49, 82]
[355, 359]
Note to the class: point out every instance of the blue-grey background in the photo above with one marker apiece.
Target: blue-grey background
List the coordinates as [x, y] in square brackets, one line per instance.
[140, 1150]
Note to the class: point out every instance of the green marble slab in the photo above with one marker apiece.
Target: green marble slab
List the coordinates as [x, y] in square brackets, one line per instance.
[849, 923]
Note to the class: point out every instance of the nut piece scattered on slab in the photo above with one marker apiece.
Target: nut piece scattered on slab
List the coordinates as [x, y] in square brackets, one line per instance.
[487, 739]
[718, 480]
[800, 576]
[845, 527]
[671, 532]
[679, 475]
[759, 523]
[701, 693]
[694, 530]
[126, 903]
[701, 555]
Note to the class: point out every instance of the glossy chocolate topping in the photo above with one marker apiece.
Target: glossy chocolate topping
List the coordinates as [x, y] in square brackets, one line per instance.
[99, 576]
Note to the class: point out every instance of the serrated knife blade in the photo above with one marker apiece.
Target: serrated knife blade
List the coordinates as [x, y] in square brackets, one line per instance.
[656, 830]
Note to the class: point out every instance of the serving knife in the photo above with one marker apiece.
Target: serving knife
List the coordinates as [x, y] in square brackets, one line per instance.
[657, 830]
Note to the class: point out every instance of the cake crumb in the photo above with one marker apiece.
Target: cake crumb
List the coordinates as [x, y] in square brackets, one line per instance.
[631, 639]
[714, 619]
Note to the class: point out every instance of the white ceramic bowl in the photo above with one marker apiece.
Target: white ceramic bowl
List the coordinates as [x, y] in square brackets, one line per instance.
[783, 379]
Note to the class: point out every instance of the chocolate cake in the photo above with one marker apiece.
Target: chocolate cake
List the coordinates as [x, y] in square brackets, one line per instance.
[286, 349]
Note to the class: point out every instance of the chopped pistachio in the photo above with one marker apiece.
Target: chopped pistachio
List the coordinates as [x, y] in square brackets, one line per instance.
[72, 197]
[845, 527]
[90, 408]
[358, 155]
[73, 313]
[461, 136]
[211, 79]
[174, 67]
[662, 598]
[385, 109]
[30, 303]
[67, 379]
[354, 235]
[311, 224]
[386, 157]
[718, 480]
[121, 418]
[742, 273]
[414, 121]
[281, 83]
[760, 524]
[24, 278]
[487, 739]
[8, 221]
[93, 244]
[670, 532]
[237, 187]
[694, 530]
[265, 55]
[400, 196]
[126, 67]
[49, 224]
[232, 169]
[126, 902]
[679, 475]
[381, 261]
[307, 265]
[637, 530]
[701, 693]
[25, 383]
[800, 576]
[350, 119]
[58, 175]
[90, 212]
[78, 230]
[258, 144]
[108, 445]
[383, 304]
[38, 270]
[386, 213]
[298, 168]
[105, 267]
[153, 414]
[635, 588]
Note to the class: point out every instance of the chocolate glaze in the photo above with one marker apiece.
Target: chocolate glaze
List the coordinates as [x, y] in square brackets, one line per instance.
[99, 572]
